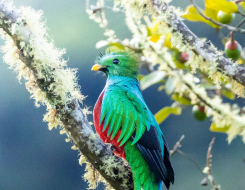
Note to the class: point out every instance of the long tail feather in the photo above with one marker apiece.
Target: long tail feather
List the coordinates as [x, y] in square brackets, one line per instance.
[142, 175]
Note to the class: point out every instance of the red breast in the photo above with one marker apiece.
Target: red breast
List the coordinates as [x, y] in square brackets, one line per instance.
[103, 135]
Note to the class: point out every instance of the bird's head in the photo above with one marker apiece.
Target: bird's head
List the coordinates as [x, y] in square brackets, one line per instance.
[117, 64]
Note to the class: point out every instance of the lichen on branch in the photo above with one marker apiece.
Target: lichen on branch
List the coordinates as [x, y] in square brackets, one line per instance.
[206, 57]
[53, 84]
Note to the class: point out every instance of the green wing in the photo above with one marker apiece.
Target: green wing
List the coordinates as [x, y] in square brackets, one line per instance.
[124, 108]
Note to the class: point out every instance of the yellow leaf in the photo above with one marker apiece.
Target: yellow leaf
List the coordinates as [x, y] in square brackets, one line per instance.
[154, 32]
[148, 31]
[181, 99]
[222, 5]
[211, 13]
[225, 40]
[140, 76]
[114, 48]
[192, 14]
[165, 112]
[240, 61]
[154, 29]
[167, 42]
[228, 94]
[154, 39]
[155, 35]
[220, 129]
[242, 4]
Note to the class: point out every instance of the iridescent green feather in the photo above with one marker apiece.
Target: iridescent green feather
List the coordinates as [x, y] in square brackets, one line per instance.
[128, 124]
[116, 127]
[108, 119]
[128, 134]
[123, 98]
[139, 132]
[112, 124]
[142, 176]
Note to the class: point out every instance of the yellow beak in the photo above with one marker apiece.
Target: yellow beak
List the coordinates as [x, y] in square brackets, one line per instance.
[96, 67]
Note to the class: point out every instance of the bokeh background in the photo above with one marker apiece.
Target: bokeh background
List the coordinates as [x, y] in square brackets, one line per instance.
[32, 157]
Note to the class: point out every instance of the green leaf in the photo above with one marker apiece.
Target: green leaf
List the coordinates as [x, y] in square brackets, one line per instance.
[181, 99]
[140, 76]
[118, 45]
[220, 129]
[152, 78]
[170, 85]
[228, 94]
[160, 88]
[165, 112]
[208, 86]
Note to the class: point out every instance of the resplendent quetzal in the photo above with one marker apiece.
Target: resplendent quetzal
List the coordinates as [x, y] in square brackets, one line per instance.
[122, 118]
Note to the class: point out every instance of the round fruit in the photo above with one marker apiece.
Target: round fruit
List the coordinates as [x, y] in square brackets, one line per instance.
[233, 50]
[184, 57]
[179, 58]
[225, 18]
[199, 113]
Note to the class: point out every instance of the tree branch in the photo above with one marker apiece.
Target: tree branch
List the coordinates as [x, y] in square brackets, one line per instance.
[68, 112]
[177, 146]
[205, 50]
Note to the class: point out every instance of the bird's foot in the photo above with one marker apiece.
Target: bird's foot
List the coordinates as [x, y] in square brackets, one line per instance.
[112, 147]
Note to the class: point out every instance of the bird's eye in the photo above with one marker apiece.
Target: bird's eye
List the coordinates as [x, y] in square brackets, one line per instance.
[115, 61]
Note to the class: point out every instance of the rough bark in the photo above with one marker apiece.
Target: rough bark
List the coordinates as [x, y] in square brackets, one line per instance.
[75, 122]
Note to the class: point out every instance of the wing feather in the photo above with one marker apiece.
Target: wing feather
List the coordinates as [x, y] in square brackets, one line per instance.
[140, 129]
[112, 124]
[108, 118]
[132, 114]
[116, 128]
[128, 134]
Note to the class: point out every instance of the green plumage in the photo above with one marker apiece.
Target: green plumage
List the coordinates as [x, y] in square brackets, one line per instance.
[140, 169]
[123, 108]
[132, 112]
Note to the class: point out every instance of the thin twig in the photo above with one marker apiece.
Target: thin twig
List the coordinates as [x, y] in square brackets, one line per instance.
[239, 1]
[192, 160]
[209, 155]
[95, 8]
[208, 162]
[176, 150]
[241, 23]
[177, 145]
[240, 13]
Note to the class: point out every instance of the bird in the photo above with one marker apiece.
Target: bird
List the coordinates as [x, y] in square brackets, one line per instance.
[122, 119]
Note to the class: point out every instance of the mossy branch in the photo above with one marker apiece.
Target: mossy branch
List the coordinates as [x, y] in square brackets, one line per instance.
[52, 84]
[205, 50]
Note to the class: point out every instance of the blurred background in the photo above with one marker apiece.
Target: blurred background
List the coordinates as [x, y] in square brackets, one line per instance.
[32, 157]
